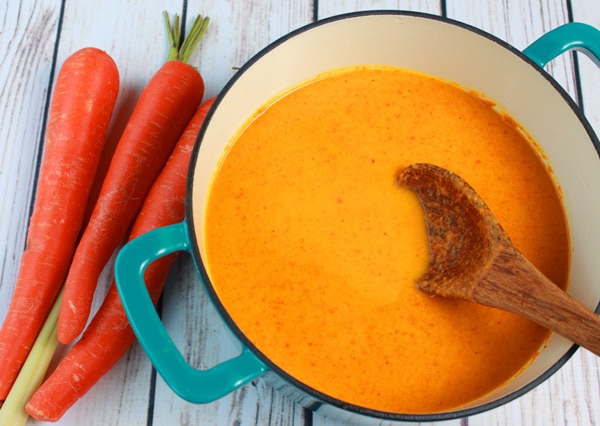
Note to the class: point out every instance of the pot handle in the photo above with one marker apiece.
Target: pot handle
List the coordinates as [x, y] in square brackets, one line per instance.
[573, 35]
[198, 386]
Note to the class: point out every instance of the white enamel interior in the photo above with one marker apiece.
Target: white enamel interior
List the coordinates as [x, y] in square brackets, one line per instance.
[454, 53]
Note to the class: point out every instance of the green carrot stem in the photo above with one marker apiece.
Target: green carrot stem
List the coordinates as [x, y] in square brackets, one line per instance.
[191, 41]
[173, 35]
[182, 51]
[33, 371]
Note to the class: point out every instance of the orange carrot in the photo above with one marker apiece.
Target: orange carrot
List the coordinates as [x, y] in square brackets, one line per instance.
[80, 112]
[164, 108]
[109, 334]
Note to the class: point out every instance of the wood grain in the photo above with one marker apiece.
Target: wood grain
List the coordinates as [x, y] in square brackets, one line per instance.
[27, 46]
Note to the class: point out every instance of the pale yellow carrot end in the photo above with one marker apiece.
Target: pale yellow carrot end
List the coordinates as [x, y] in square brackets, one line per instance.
[33, 371]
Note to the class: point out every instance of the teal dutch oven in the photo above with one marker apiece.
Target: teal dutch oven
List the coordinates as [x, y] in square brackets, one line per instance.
[433, 45]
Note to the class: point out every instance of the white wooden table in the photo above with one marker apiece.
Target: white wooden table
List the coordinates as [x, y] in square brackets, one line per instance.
[35, 38]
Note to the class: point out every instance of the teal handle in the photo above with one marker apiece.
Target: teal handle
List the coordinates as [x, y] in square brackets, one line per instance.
[198, 386]
[574, 35]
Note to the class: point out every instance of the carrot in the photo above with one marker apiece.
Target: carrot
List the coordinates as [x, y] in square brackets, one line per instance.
[164, 108]
[80, 112]
[109, 334]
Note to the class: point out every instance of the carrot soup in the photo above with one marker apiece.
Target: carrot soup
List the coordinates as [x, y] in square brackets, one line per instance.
[314, 250]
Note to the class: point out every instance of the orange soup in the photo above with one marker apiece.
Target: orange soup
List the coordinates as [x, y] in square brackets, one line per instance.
[314, 250]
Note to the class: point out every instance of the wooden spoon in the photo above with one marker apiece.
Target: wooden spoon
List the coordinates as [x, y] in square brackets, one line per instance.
[472, 258]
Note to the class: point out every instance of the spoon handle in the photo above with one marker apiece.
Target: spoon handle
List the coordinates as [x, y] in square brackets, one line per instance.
[512, 283]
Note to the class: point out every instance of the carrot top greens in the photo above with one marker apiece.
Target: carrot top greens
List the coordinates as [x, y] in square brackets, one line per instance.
[181, 50]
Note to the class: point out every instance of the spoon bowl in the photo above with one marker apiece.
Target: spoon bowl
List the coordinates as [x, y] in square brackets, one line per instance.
[472, 258]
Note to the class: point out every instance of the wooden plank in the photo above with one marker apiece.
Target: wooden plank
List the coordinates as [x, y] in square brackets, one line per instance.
[588, 11]
[27, 40]
[238, 30]
[581, 381]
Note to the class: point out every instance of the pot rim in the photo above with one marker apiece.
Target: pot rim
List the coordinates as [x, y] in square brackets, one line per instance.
[326, 399]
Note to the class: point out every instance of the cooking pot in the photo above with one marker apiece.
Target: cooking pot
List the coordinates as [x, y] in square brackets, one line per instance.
[433, 45]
